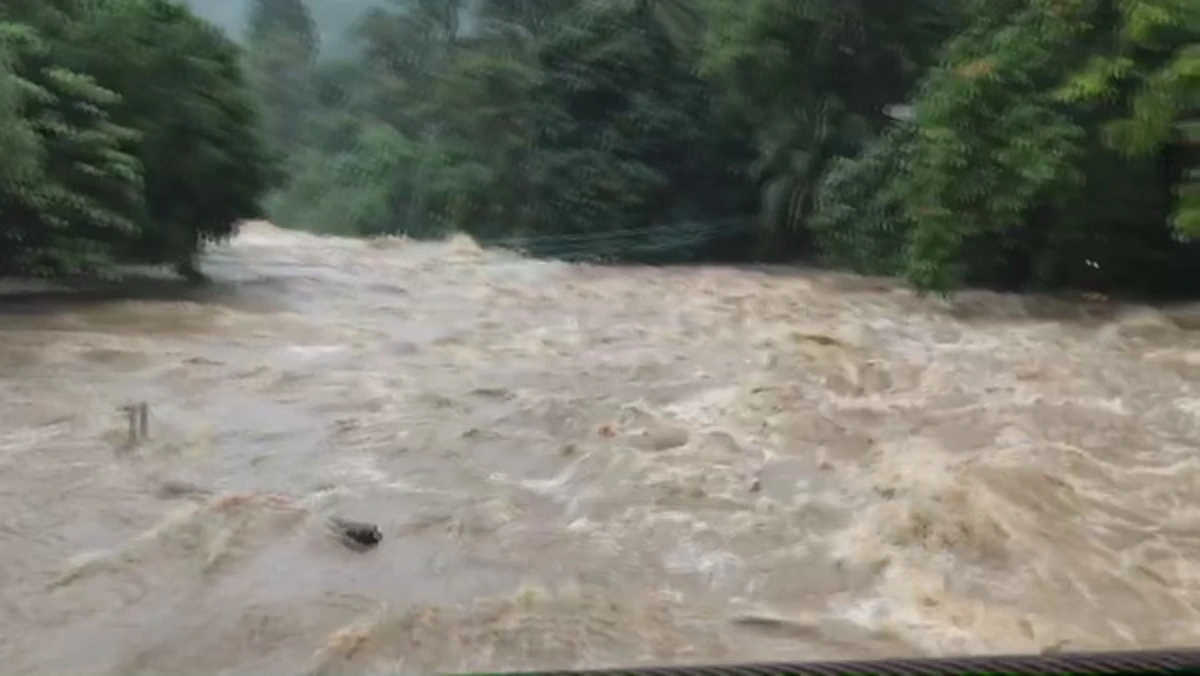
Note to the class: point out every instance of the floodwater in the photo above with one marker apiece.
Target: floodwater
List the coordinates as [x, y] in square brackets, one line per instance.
[577, 466]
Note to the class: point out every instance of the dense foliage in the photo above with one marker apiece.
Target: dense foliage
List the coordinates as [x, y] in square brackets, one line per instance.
[1048, 141]
[128, 136]
[1017, 143]
[1044, 144]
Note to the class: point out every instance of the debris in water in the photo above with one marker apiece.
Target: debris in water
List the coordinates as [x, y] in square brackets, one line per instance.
[1056, 648]
[777, 624]
[662, 438]
[819, 339]
[139, 421]
[356, 535]
[172, 488]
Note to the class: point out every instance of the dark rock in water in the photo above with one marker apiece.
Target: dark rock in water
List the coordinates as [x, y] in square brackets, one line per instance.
[356, 535]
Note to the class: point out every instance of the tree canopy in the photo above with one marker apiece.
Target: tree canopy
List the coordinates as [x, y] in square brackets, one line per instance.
[129, 133]
[1046, 144]
[1011, 143]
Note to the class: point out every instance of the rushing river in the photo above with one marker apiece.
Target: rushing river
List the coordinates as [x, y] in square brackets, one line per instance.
[584, 466]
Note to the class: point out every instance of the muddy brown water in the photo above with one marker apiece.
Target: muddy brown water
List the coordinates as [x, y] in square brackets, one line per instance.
[580, 466]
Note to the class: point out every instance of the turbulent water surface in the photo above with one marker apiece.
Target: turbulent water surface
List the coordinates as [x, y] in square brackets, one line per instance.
[584, 466]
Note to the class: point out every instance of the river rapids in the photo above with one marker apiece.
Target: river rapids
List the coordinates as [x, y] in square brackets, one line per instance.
[584, 466]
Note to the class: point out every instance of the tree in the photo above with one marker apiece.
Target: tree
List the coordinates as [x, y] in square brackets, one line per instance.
[1009, 133]
[282, 49]
[149, 140]
[183, 89]
[549, 125]
[813, 79]
[70, 193]
[289, 17]
[1048, 143]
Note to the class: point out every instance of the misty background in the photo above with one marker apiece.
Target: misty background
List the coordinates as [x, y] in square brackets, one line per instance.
[334, 19]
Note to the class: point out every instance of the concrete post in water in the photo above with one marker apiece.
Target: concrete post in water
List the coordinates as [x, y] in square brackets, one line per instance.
[139, 421]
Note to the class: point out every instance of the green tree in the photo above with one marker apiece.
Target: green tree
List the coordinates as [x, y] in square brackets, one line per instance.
[1009, 130]
[813, 79]
[142, 141]
[570, 128]
[1050, 142]
[182, 87]
[70, 194]
[282, 49]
